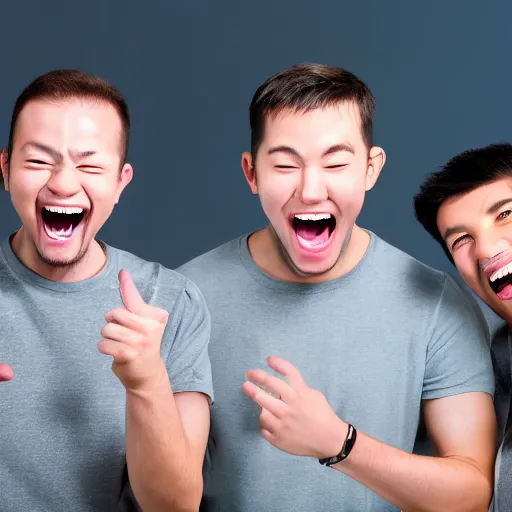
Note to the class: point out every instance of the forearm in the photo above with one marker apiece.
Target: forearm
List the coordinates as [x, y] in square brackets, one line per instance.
[417, 483]
[163, 474]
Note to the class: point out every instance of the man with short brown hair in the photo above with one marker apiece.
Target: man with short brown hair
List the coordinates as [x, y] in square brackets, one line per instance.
[365, 334]
[75, 435]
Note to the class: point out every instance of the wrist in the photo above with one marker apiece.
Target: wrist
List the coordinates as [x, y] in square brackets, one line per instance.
[333, 439]
[346, 449]
[156, 383]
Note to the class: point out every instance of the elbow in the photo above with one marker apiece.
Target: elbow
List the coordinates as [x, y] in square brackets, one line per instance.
[183, 498]
[476, 501]
[190, 501]
[191, 495]
[481, 506]
[474, 496]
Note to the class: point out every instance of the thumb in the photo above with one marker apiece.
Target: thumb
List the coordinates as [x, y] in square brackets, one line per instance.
[130, 296]
[6, 372]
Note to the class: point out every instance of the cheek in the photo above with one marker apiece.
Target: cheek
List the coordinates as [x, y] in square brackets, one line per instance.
[102, 192]
[24, 188]
[276, 191]
[347, 192]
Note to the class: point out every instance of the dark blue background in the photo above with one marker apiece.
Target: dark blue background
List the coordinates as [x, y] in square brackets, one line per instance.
[440, 71]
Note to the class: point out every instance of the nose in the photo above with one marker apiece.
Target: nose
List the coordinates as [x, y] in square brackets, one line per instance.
[64, 182]
[312, 188]
[488, 245]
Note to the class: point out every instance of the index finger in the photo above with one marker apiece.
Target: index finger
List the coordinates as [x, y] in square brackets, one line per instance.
[275, 385]
[264, 399]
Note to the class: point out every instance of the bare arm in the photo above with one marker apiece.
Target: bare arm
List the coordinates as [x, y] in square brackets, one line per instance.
[166, 433]
[299, 420]
[462, 429]
[166, 438]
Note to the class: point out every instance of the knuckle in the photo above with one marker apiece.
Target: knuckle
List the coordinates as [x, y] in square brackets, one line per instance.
[125, 354]
[137, 339]
[145, 344]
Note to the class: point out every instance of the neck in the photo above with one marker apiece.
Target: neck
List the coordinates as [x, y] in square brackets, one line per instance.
[88, 266]
[269, 255]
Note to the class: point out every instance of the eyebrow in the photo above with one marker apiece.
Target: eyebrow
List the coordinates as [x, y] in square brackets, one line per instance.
[492, 209]
[496, 206]
[57, 155]
[333, 149]
[454, 229]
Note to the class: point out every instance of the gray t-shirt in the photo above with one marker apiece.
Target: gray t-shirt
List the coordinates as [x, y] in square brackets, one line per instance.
[376, 342]
[62, 417]
[501, 353]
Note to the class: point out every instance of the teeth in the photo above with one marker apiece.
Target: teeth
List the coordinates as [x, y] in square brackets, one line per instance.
[502, 272]
[63, 209]
[313, 216]
[61, 234]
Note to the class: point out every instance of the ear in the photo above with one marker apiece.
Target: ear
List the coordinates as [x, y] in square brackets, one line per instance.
[5, 168]
[376, 161]
[125, 176]
[249, 171]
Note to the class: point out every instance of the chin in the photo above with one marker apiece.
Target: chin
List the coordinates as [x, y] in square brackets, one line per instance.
[60, 259]
[309, 269]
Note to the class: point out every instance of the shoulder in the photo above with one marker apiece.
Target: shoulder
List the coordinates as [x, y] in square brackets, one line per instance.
[407, 272]
[157, 284]
[422, 285]
[212, 264]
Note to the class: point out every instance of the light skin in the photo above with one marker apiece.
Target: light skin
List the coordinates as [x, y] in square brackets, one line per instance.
[296, 172]
[318, 162]
[477, 229]
[68, 153]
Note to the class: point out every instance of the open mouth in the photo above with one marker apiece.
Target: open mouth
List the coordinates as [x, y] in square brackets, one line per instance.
[313, 230]
[60, 222]
[501, 279]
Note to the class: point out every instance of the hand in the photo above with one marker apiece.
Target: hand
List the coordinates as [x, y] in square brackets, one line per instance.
[6, 372]
[300, 422]
[133, 336]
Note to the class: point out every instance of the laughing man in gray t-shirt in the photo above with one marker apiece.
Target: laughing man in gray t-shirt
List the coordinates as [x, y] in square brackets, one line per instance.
[75, 435]
[360, 334]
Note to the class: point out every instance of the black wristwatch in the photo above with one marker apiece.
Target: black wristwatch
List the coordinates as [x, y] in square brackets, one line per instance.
[348, 444]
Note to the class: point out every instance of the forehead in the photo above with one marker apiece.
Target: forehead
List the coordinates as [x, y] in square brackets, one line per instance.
[71, 122]
[322, 126]
[468, 208]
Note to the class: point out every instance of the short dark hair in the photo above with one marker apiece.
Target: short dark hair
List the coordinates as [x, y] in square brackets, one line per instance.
[460, 175]
[62, 84]
[306, 87]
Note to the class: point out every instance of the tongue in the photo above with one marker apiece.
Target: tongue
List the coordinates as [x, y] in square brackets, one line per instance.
[312, 234]
[60, 223]
[59, 226]
[505, 293]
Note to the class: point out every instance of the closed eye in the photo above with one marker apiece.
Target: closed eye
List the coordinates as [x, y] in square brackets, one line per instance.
[459, 240]
[286, 167]
[90, 168]
[337, 166]
[37, 162]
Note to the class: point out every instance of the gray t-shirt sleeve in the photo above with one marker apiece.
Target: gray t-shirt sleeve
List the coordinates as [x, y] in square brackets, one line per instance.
[458, 355]
[188, 362]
